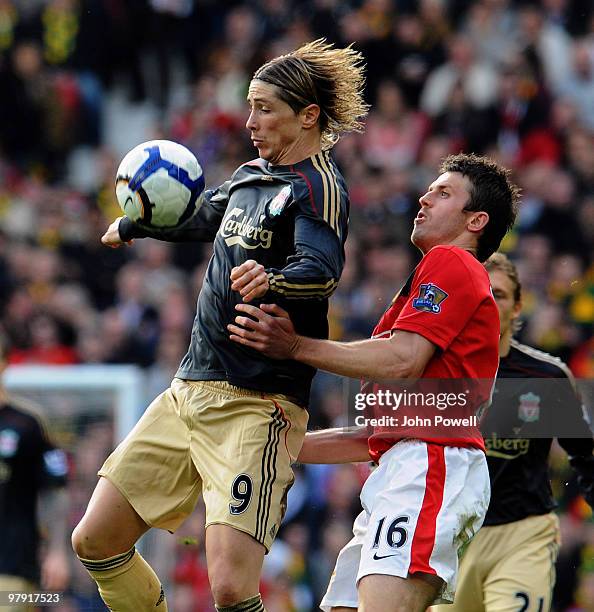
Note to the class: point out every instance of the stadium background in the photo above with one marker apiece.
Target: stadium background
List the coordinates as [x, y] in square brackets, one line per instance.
[82, 81]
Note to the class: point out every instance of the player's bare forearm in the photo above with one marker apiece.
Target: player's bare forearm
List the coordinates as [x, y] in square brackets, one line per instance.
[338, 445]
[371, 359]
[269, 329]
[53, 513]
[55, 568]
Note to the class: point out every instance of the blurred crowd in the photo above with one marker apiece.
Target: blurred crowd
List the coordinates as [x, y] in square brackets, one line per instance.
[511, 79]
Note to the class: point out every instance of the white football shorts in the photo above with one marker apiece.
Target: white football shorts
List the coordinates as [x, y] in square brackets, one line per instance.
[421, 505]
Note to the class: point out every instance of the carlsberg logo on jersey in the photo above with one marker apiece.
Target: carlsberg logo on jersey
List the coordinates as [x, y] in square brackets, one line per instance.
[237, 229]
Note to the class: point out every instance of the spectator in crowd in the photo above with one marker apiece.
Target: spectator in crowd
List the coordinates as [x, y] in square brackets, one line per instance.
[477, 78]
[578, 84]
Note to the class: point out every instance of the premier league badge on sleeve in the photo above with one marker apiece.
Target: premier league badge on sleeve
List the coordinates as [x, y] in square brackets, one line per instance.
[430, 298]
[56, 462]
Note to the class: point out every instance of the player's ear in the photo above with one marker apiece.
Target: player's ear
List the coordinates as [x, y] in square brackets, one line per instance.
[309, 116]
[477, 221]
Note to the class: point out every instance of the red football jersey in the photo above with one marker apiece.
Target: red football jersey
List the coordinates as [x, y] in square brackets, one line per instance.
[448, 301]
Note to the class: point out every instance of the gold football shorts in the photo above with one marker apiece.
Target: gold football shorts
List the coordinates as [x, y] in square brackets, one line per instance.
[233, 445]
[508, 568]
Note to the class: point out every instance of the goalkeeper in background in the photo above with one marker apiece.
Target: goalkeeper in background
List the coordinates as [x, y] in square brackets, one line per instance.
[510, 563]
[32, 476]
[233, 420]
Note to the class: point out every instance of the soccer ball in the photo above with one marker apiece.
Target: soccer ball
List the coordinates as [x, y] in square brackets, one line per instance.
[159, 184]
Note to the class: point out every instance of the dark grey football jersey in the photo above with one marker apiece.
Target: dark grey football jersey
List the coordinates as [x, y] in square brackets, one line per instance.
[293, 220]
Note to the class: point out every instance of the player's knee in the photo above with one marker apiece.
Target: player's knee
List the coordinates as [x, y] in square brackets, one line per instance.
[81, 543]
[89, 546]
[226, 590]
[77, 541]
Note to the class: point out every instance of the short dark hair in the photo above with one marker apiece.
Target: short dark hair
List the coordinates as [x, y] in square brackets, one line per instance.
[491, 191]
[317, 73]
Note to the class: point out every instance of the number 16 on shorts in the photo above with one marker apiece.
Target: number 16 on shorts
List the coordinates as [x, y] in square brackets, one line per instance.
[394, 534]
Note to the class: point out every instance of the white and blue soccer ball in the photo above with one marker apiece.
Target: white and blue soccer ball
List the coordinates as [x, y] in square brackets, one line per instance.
[159, 184]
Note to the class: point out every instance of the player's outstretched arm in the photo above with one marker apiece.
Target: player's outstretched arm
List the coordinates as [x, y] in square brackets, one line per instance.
[269, 330]
[201, 227]
[340, 445]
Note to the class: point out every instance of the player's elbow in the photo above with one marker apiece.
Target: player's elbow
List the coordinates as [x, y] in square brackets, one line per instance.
[409, 354]
[401, 367]
[399, 371]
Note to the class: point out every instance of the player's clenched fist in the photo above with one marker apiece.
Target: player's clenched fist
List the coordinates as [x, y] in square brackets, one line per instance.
[250, 279]
[111, 238]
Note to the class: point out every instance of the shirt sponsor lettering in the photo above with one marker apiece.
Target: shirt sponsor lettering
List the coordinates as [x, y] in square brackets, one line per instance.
[506, 448]
[237, 229]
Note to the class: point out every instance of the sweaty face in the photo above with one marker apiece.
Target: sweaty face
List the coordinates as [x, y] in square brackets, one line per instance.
[503, 292]
[442, 219]
[275, 129]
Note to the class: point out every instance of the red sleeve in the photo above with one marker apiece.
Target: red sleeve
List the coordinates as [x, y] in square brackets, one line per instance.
[443, 297]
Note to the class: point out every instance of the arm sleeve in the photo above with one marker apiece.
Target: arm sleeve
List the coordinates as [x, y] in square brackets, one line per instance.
[315, 268]
[584, 469]
[53, 463]
[201, 227]
[443, 298]
[575, 413]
